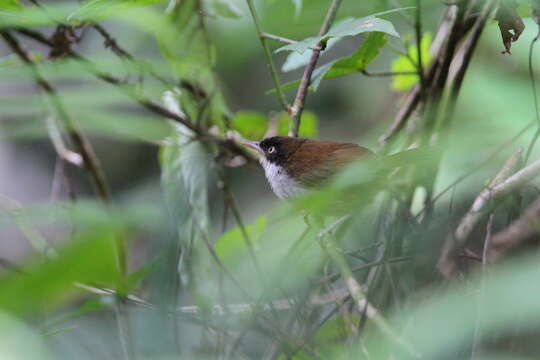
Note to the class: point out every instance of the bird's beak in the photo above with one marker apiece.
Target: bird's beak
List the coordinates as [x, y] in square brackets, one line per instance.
[253, 144]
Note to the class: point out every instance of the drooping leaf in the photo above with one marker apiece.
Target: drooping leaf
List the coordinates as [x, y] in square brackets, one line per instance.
[404, 64]
[51, 283]
[347, 27]
[366, 53]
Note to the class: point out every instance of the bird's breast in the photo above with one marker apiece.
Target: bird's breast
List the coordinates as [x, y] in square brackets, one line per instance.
[283, 185]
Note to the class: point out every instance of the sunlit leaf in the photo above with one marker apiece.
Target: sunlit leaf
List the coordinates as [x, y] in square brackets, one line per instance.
[10, 5]
[409, 64]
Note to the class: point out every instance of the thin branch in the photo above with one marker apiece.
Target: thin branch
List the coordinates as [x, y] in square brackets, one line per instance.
[147, 103]
[84, 148]
[273, 72]
[61, 149]
[517, 233]
[300, 100]
[501, 185]
[278, 38]
[327, 243]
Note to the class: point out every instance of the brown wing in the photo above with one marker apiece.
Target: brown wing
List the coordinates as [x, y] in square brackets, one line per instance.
[322, 160]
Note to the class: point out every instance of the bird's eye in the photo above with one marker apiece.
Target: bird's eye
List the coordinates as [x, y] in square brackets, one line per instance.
[271, 149]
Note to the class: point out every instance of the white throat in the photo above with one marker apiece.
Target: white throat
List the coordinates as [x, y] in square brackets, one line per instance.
[281, 183]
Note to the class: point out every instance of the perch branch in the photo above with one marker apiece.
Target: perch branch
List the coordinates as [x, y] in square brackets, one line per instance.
[300, 100]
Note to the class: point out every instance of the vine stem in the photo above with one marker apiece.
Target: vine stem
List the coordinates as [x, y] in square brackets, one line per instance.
[273, 72]
[300, 99]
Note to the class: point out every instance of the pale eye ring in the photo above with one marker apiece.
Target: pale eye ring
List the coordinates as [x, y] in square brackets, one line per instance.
[271, 149]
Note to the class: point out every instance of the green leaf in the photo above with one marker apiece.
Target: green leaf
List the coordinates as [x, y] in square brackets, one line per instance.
[250, 124]
[296, 60]
[10, 5]
[409, 64]
[192, 57]
[347, 27]
[231, 246]
[309, 125]
[20, 341]
[90, 259]
[226, 9]
[366, 53]
[97, 10]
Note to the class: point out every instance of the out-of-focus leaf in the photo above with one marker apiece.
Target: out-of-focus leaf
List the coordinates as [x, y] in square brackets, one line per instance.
[10, 5]
[250, 124]
[309, 125]
[226, 8]
[18, 341]
[348, 27]
[46, 15]
[297, 7]
[186, 172]
[141, 273]
[91, 259]
[404, 64]
[366, 53]
[192, 56]
[231, 246]
[96, 10]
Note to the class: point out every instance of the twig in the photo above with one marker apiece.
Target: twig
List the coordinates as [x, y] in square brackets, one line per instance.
[481, 296]
[147, 103]
[300, 99]
[61, 149]
[278, 38]
[490, 158]
[517, 233]
[327, 243]
[499, 186]
[273, 72]
[84, 148]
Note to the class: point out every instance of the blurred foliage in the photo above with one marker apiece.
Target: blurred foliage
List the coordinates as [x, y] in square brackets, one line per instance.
[216, 269]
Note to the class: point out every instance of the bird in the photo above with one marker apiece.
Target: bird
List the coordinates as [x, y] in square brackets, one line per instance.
[294, 166]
